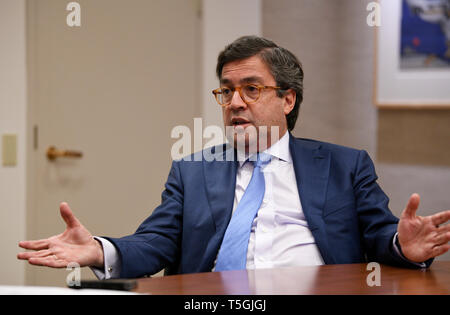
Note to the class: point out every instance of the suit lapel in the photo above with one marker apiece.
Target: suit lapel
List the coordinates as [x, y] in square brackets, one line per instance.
[220, 181]
[312, 166]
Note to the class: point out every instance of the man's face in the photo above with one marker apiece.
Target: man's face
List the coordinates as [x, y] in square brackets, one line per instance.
[269, 110]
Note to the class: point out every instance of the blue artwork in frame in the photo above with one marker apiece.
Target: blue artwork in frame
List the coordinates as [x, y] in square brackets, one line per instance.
[425, 34]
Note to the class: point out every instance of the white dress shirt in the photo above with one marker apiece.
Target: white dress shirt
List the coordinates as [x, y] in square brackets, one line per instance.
[280, 235]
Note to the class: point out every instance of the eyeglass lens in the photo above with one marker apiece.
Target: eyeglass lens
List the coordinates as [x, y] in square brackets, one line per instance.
[250, 93]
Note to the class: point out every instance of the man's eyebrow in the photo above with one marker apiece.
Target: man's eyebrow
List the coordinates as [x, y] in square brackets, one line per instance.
[253, 79]
[225, 81]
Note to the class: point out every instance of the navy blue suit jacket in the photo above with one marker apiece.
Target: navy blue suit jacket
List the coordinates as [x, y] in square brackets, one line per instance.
[346, 210]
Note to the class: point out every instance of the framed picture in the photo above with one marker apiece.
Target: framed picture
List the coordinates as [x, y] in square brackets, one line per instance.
[412, 54]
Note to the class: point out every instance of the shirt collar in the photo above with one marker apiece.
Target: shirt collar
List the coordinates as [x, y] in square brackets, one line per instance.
[279, 150]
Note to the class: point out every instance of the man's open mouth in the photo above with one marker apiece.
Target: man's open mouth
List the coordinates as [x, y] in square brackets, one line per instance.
[239, 122]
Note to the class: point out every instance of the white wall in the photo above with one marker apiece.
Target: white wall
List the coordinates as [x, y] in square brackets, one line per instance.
[12, 121]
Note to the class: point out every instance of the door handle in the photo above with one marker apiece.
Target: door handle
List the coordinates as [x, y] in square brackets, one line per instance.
[53, 153]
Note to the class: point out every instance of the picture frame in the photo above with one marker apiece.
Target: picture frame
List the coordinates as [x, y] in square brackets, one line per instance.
[397, 87]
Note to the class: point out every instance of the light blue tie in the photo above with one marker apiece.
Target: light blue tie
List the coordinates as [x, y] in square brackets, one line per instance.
[233, 251]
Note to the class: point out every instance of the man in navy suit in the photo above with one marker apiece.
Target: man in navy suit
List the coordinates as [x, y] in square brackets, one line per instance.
[321, 203]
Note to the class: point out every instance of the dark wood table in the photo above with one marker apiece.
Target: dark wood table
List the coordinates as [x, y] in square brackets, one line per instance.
[329, 279]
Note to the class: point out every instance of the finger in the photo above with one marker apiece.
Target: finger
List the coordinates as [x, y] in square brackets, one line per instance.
[443, 238]
[49, 261]
[443, 229]
[440, 218]
[28, 255]
[412, 206]
[35, 245]
[441, 249]
[68, 216]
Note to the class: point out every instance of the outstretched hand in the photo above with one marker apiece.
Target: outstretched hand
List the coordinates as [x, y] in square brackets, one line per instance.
[75, 244]
[422, 238]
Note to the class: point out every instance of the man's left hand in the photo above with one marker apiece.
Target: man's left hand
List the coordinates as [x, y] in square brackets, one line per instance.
[422, 238]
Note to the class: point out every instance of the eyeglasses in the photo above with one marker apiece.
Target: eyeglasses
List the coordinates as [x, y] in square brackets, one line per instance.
[249, 93]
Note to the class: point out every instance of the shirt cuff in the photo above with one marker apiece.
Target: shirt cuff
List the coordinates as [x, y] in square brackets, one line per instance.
[111, 258]
[396, 247]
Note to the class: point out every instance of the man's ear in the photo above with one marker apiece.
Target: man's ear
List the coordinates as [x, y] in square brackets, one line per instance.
[289, 101]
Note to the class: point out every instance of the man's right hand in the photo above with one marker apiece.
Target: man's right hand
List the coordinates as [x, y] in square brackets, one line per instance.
[76, 244]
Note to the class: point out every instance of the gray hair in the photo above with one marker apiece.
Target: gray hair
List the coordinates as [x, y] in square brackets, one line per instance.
[284, 66]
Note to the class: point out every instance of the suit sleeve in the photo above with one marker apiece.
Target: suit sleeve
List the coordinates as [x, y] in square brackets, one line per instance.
[156, 243]
[377, 223]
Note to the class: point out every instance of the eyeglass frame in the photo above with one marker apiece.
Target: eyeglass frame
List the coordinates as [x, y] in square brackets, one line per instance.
[239, 89]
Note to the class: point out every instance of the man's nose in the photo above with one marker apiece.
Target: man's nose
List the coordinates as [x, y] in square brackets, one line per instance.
[237, 103]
